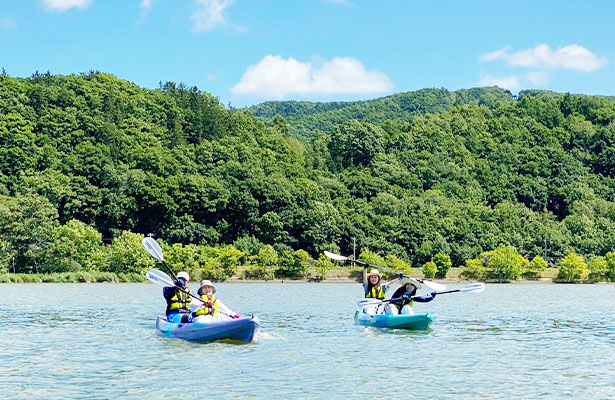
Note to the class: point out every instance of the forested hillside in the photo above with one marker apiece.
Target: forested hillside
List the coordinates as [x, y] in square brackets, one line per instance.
[305, 117]
[411, 175]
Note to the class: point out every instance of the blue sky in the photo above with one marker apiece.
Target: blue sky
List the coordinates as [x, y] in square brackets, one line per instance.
[248, 51]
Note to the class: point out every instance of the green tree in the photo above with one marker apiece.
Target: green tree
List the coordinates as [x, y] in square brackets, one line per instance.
[293, 264]
[443, 264]
[72, 245]
[504, 263]
[267, 263]
[572, 267]
[396, 264]
[27, 223]
[535, 267]
[597, 267]
[127, 255]
[429, 269]
[322, 266]
[371, 258]
[610, 261]
[474, 269]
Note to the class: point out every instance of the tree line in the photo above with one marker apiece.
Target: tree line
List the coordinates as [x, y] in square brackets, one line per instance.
[91, 158]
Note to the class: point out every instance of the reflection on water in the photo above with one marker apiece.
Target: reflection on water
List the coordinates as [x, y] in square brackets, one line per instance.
[97, 341]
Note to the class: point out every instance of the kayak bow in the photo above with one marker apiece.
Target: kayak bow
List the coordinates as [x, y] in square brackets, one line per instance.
[241, 329]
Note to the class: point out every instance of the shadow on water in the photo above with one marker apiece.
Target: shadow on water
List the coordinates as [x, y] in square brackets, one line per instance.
[374, 332]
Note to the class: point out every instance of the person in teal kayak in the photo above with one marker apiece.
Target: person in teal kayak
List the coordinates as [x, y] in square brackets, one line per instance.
[178, 301]
[371, 284]
[405, 296]
[213, 309]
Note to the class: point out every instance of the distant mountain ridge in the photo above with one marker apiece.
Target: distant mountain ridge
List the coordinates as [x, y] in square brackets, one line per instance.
[308, 116]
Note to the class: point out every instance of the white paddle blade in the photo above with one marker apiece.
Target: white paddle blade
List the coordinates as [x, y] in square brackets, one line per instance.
[153, 248]
[368, 302]
[433, 285]
[159, 278]
[477, 287]
[334, 256]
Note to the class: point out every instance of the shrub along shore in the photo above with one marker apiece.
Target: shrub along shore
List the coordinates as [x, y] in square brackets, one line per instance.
[125, 260]
[349, 275]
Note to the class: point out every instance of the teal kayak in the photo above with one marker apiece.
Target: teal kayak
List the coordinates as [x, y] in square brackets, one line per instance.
[241, 329]
[417, 322]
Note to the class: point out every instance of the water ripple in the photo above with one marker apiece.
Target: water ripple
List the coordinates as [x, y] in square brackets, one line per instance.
[97, 341]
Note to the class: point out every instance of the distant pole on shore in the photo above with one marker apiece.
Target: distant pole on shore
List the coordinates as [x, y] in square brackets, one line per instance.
[354, 250]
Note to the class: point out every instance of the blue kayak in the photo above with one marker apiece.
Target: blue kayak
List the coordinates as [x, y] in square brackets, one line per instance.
[417, 322]
[241, 329]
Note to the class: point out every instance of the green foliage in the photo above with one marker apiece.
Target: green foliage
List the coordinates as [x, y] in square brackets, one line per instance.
[396, 264]
[322, 265]
[474, 269]
[443, 264]
[371, 258]
[597, 267]
[610, 270]
[267, 263]
[413, 174]
[75, 246]
[126, 254]
[572, 267]
[535, 267]
[27, 223]
[293, 264]
[504, 263]
[429, 269]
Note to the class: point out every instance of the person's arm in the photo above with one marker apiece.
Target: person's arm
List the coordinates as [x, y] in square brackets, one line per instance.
[388, 284]
[364, 275]
[426, 298]
[168, 292]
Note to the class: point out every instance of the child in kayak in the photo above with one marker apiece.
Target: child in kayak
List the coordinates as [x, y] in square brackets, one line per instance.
[178, 301]
[213, 309]
[371, 284]
[403, 297]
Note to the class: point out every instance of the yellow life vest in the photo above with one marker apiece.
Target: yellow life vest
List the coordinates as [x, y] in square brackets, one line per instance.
[375, 293]
[401, 305]
[207, 310]
[179, 301]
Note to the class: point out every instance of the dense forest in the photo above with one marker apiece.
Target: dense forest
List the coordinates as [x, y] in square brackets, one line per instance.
[89, 163]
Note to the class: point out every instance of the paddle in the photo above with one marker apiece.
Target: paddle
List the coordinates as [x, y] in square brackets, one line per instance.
[161, 279]
[426, 282]
[153, 248]
[477, 287]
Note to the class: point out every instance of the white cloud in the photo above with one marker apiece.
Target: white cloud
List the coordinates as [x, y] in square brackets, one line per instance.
[209, 15]
[508, 82]
[276, 77]
[572, 57]
[539, 78]
[8, 23]
[65, 5]
[146, 4]
[342, 2]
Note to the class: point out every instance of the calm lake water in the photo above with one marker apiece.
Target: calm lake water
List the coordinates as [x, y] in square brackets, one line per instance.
[98, 341]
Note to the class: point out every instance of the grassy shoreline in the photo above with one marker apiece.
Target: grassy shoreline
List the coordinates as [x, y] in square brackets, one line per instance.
[346, 275]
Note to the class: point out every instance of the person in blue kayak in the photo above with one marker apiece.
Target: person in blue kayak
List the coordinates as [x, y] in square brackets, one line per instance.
[371, 284]
[405, 296]
[213, 309]
[178, 301]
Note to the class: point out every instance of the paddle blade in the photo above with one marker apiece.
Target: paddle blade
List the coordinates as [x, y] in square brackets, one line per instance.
[432, 285]
[477, 287]
[336, 257]
[153, 248]
[159, 278]
[368, 302]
